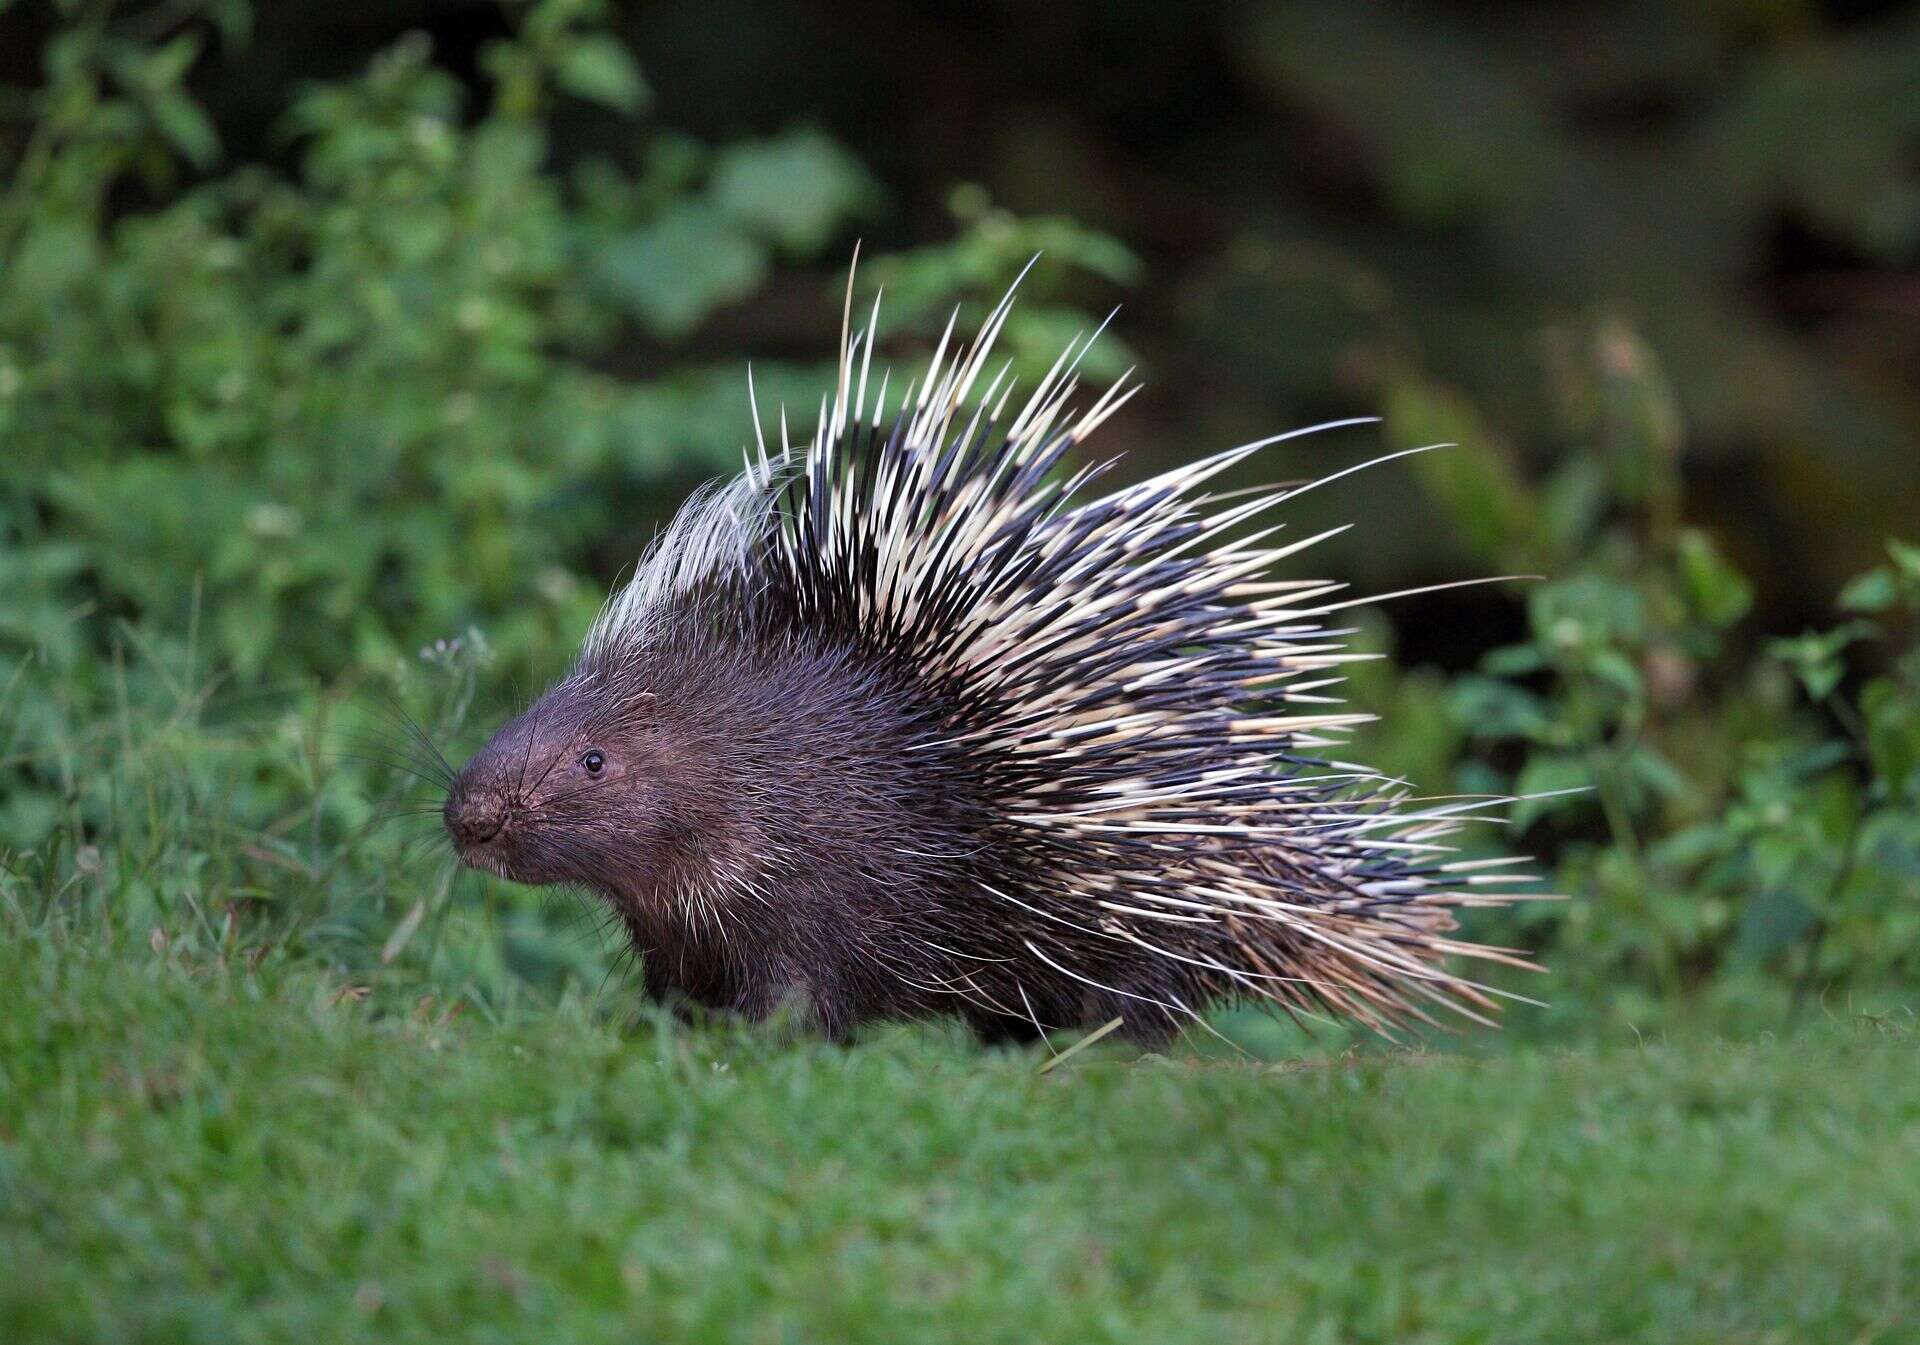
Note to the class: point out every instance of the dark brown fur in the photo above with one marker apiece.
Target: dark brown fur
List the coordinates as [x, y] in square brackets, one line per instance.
[797, 767]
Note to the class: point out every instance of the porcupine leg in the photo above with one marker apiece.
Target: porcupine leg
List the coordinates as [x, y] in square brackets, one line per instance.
[662, 989]
[1149, 1025]
[761, 1001]
[770, 997]
[995, 1029]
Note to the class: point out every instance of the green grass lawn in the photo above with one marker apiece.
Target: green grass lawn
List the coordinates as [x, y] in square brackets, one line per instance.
[207, 1153]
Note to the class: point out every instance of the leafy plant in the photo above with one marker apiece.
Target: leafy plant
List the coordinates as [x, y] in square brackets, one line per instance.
[1713, 803]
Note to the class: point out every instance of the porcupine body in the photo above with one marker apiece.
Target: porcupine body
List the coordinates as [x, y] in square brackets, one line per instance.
[910, 720]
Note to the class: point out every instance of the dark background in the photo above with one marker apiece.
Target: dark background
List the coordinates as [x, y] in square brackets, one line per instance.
[1319, 194]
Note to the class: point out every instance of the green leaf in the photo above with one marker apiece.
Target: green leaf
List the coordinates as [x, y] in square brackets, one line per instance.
[676, 271]
[56, 254]
[1873, 591]
[1586, 610]
[1893, 732]
[1901, 582]
[1573, 503]
[185, 127]
[1514, 660]
[167, 65]
[1693, 845]
[1488, 708]
[1815, 657]
[1618, 671]
[600, 70]
[1473, 479]
[1549, 773]
[795, 191]
[1906, 559]
[1820, 757]
[1771, 922]
[1653, 770]
[1717, 592]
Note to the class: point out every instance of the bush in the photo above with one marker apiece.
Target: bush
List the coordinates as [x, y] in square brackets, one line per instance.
[398, 414]
[1715, 803]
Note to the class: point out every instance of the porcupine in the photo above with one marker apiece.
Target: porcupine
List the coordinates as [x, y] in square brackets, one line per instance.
[898, 723]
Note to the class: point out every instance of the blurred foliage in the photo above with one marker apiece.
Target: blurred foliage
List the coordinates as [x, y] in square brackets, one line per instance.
[1738, 182]
[1714, 804]
[388, 400]
[293, 427]
[361, 405]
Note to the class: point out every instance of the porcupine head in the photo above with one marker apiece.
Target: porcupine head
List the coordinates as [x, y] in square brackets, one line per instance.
[915, 718]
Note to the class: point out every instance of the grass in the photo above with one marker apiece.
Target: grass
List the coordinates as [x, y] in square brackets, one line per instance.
[197, 1150]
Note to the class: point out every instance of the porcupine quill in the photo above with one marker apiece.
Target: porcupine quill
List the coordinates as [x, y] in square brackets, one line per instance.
[906, 721]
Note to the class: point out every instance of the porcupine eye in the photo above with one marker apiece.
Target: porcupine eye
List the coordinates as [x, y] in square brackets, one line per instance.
[594, 760]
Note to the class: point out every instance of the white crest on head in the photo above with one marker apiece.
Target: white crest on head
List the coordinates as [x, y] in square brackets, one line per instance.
[714, 533]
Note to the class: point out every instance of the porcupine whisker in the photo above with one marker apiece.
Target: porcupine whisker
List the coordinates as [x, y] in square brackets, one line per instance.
[533, 730]
[401, 733]
[526, 751]
[387, 763]
[389, 706]
[398, 749]
[410, 813]
[397, 737]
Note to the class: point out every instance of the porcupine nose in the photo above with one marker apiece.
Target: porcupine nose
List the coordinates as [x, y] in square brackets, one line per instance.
[474, 817]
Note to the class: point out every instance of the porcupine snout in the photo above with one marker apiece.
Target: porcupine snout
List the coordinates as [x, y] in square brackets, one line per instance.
[474, 816]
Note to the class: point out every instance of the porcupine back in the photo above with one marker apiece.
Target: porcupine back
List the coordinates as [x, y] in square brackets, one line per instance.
[979, 738]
